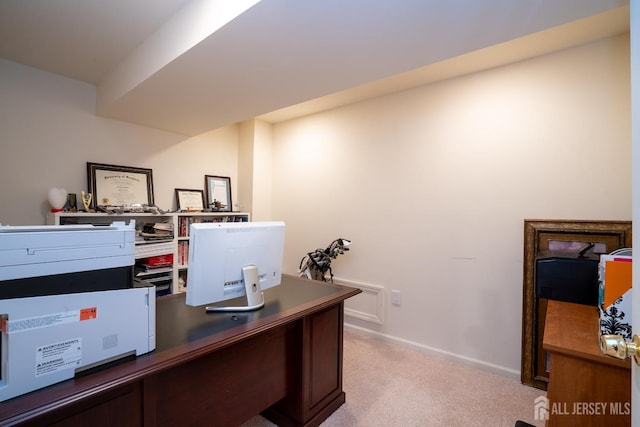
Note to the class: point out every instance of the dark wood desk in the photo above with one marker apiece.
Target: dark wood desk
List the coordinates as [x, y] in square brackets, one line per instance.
[586, 388]
[213, 369]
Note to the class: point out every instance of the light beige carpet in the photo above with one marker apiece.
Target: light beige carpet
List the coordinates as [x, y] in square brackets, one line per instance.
[389, 385]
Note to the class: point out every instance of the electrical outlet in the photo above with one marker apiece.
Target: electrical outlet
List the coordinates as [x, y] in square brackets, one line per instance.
[396, 298]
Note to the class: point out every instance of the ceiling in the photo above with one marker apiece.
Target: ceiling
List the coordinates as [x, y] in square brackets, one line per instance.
[189, 66]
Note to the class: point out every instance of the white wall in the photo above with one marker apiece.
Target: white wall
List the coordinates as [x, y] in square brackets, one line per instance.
[49, 131]
[433, 184]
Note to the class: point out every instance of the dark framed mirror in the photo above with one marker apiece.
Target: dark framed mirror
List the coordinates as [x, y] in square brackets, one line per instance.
[539, 236]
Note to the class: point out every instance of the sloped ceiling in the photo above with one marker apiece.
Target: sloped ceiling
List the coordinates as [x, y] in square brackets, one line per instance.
[193, 66]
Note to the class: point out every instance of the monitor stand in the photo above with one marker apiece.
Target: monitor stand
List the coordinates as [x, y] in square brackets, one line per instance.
[255, 298]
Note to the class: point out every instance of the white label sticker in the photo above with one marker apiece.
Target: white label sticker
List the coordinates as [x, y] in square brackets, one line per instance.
[58, 356]
[29, 323]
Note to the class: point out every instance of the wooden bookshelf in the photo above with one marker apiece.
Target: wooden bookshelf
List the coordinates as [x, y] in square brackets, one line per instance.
[162, 238]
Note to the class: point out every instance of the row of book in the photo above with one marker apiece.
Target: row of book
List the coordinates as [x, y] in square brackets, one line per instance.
[183, 252]
[185, 221]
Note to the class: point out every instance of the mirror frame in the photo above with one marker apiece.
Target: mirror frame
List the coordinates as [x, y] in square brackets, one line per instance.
[620, 231]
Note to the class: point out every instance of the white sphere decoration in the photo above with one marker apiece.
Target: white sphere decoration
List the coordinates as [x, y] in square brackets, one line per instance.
[57, 198]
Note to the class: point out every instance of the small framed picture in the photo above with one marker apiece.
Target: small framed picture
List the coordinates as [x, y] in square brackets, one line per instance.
[189, 200]
[218, 190]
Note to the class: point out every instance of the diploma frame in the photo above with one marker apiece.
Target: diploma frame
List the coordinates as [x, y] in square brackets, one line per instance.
[98, 186]
[218, 188]
[189, 200]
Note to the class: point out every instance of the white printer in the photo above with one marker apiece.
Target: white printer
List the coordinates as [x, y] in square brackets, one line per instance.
[68, 303]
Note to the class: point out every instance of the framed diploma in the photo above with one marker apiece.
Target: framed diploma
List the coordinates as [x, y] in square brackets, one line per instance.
[112, 185]
[189, 200]
[218, 192]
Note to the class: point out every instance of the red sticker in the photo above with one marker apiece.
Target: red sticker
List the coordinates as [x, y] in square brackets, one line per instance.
[88, 313]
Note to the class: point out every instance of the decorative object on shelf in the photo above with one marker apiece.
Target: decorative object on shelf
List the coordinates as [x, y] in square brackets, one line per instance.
[86, 200]
[218, 192]
[137, 208]
[57, 198]
[72, 204]
[189, 200]
[217, 206]
[113, 185]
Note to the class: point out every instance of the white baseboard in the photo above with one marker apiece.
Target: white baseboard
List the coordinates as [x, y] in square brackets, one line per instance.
[479, 364]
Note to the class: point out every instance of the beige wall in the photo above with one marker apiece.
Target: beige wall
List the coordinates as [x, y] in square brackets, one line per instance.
[49, 130]
[255, 174]
[433, 184]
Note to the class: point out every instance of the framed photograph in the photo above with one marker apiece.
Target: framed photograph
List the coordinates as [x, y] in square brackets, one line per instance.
[189, 200]
[112, 185]
[218, 192]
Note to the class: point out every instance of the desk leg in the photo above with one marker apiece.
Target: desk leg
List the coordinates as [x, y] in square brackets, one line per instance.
[315, 371]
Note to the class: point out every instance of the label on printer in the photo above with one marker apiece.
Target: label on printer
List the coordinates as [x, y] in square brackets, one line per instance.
[58, 356]
[54, 319]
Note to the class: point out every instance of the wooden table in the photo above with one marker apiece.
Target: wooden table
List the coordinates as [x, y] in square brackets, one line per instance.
[586, 388]
[213, 369]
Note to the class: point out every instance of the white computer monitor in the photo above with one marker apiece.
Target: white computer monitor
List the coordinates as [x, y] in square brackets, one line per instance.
[233, 259]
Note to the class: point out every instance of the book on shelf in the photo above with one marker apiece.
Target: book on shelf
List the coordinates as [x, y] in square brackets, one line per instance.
[185, 221]
[155, 265]
[143, 270]
[157, 261]
[157, 231]
[157, 280]
[183, 252]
